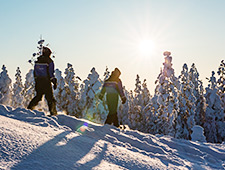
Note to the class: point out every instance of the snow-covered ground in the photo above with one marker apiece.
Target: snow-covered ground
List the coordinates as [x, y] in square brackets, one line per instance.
[31, 140]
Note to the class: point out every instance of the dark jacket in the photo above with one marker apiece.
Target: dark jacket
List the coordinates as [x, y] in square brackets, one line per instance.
[44, 68]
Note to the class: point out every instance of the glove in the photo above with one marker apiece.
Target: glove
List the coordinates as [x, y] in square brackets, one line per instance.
[124, 99]
[54, 81]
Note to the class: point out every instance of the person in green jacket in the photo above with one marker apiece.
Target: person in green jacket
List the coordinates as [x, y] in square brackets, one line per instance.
[113, 87]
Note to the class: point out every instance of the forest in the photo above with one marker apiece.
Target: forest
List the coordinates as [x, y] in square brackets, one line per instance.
[177, 106]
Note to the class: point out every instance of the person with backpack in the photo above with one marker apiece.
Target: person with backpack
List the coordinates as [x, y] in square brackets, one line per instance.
[44, 77]
[113, 87]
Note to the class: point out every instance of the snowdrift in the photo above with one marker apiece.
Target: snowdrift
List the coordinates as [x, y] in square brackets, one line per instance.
[31, 140]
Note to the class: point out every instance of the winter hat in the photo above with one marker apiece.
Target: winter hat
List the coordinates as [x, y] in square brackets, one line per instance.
[117, 70]
[46, 51]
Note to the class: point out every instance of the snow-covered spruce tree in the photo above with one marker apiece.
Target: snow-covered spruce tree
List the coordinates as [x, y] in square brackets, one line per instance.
[134, 113]
[141, 98]
[18, 96]
[72, 91]
[135, 108]
[124, 109]
[198, 134]
[221, 82]
[137, 92]
[92, 108]
[185, 117]
[221, 92]
[214, 115]
[28, 90]
[150, 114]
[60, 92]
[106, 74]
[151, 111]
[199, 95]
[5, 87]
[167, 98]
[145, 94]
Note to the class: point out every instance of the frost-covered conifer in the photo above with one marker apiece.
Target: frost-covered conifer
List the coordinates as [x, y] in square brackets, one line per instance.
[167, 98]
[60, 92]
[17, 97]
[185, 118]
[214, 113]
[72, 88]
[93, 108]
[5, 87]
[151, 116]
[29, 90]
[124, 109]
[221, 82]
[198, 134]
[138, 92]
[141, 98]
[221, 93]
[106, 74]
[135, 117]
[198, 91]
[145, 94]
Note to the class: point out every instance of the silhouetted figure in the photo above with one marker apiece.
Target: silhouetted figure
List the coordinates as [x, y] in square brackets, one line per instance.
[44, 76]
[113, 87]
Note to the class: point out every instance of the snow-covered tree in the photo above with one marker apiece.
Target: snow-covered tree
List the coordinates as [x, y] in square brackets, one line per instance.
[150, 113]
[123, 111]
[29, 90]
[185, 118]
[18, 97]
[221, 82]
[198, 134]
[60, 92]
[140, 100]
[145, 94]
[106, 74]
[214, 113]
[5, 87]
[92, 108]
[198, 92]
[135, 117]
[166, 93]
[72, 89]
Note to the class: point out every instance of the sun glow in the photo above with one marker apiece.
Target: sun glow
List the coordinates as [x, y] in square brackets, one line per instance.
[146, 47]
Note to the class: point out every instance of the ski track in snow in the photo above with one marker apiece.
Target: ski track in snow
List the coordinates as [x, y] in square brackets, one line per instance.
[31, 140]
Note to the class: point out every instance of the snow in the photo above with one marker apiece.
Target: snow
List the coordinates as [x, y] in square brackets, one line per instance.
[198, 134]
[31, 140]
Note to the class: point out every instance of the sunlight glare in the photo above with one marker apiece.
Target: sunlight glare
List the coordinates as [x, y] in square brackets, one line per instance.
[146, 47]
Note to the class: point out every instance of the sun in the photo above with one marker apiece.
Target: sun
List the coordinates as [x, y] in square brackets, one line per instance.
[146, 47]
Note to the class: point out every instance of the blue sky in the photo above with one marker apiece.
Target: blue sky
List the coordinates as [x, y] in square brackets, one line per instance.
[104, 33]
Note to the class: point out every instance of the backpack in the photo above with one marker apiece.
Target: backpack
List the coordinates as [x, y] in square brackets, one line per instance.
[41, 70]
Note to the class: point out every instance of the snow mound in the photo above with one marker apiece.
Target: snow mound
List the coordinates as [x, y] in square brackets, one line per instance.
[31, 140]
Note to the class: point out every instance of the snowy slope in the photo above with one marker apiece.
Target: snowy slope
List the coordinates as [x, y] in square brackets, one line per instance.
[30, 140]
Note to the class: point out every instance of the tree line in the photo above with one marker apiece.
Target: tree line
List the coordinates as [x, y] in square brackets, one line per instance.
[177, 105]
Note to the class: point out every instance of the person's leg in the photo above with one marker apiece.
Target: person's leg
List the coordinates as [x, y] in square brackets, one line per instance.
[112, 102]
[38, 97]
[116, 121]
[109, 119]
[50, 99]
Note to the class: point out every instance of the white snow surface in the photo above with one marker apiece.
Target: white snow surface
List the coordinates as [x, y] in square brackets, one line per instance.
[32, 140]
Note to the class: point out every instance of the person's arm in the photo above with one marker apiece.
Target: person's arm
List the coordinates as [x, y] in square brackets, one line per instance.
[51, 74]
[51, 70]
[122, 95]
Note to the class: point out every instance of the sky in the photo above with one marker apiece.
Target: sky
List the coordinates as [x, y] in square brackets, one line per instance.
[105, 33]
